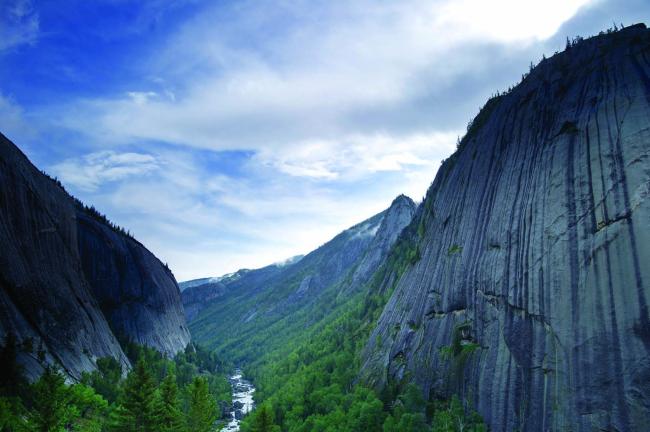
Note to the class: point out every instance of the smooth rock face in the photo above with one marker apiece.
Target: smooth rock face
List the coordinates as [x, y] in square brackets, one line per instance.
[69, 283]
[536, 236]
[137, 294]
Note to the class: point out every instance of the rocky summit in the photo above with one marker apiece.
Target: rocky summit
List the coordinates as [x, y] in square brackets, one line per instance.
[530, 294]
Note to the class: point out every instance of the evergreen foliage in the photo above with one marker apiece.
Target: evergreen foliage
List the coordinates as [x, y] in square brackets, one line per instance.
[151, 398]
[139, 404]
[170, 415]
[203, 411]
[264, 420]
[51, 403]
[106, 379]
[311, 384]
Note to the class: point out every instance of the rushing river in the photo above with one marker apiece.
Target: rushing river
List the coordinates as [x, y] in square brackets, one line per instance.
[242, 400]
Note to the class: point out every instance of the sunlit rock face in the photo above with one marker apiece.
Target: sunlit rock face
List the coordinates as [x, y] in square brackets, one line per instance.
[70, 284]
[535, 249]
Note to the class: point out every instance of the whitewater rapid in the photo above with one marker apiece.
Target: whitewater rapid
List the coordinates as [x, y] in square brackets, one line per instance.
[242, 400]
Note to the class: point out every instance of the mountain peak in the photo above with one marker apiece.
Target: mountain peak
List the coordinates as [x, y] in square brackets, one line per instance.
[402, 199]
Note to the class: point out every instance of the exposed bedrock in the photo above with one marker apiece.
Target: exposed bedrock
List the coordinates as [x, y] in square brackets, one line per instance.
[70, 283]
[535, 253]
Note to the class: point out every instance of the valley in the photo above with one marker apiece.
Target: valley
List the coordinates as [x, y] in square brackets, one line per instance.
[513, 297]
[502, 278]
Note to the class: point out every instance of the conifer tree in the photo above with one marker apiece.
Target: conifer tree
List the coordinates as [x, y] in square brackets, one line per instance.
[12, 415]
[202, 412]
[263, 420]
[171, 416]
[51, 405]
[140, 404]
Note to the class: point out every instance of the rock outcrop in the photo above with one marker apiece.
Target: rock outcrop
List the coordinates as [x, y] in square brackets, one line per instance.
[530, 295]
[71, 283]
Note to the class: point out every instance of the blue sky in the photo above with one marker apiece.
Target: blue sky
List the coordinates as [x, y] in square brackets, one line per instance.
[236, 134]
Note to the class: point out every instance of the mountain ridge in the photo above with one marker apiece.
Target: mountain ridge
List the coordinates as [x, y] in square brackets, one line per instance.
[276, 296]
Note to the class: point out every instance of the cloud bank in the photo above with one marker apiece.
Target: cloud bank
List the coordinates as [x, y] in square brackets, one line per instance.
[238, 134]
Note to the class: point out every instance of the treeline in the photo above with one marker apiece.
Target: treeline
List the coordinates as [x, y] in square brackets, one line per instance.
[189, 393]
[314, 388]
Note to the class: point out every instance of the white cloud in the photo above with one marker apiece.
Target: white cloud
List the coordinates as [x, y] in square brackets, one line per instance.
[328, 97]
[19, 23]
[309, 81]
[12, 120]
[91, 171]
[352, 157]
[507, 20]
[206, 223]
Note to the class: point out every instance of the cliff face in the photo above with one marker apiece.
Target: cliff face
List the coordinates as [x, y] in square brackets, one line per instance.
[253, 312]
[136, 293]
[530, 295]
[69, 283]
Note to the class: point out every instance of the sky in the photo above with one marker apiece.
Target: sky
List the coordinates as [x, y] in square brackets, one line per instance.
[236, 134]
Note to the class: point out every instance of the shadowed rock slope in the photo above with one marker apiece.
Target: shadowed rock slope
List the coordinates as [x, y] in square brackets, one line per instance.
[253, 312]
[70, 283]
[530, 297]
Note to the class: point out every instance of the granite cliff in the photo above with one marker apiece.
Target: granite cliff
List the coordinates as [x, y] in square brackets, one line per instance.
[71, 283]
[529, 294]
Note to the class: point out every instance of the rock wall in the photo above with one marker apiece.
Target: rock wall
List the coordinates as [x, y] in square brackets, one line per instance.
[69, 283]
[530, 296]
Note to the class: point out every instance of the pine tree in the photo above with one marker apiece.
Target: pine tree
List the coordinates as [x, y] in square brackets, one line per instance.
[51, 405]
[88, 411]
[171, 417]
[140, 404]
[12, 415]
[263, 420]
[202, 412]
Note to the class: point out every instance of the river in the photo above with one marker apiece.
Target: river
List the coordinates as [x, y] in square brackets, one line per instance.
[242, 400]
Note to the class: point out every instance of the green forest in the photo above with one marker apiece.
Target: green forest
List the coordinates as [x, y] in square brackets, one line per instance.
[313, 388]
[188, 393]
[307, 383]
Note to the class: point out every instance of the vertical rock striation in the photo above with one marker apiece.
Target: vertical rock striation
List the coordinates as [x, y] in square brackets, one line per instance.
[534, 244]
[70, 284]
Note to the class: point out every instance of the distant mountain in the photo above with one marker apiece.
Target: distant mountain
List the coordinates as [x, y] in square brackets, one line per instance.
[231, 276]
[198, 294]
[530, 297]
[254, 311]
[72, 285]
